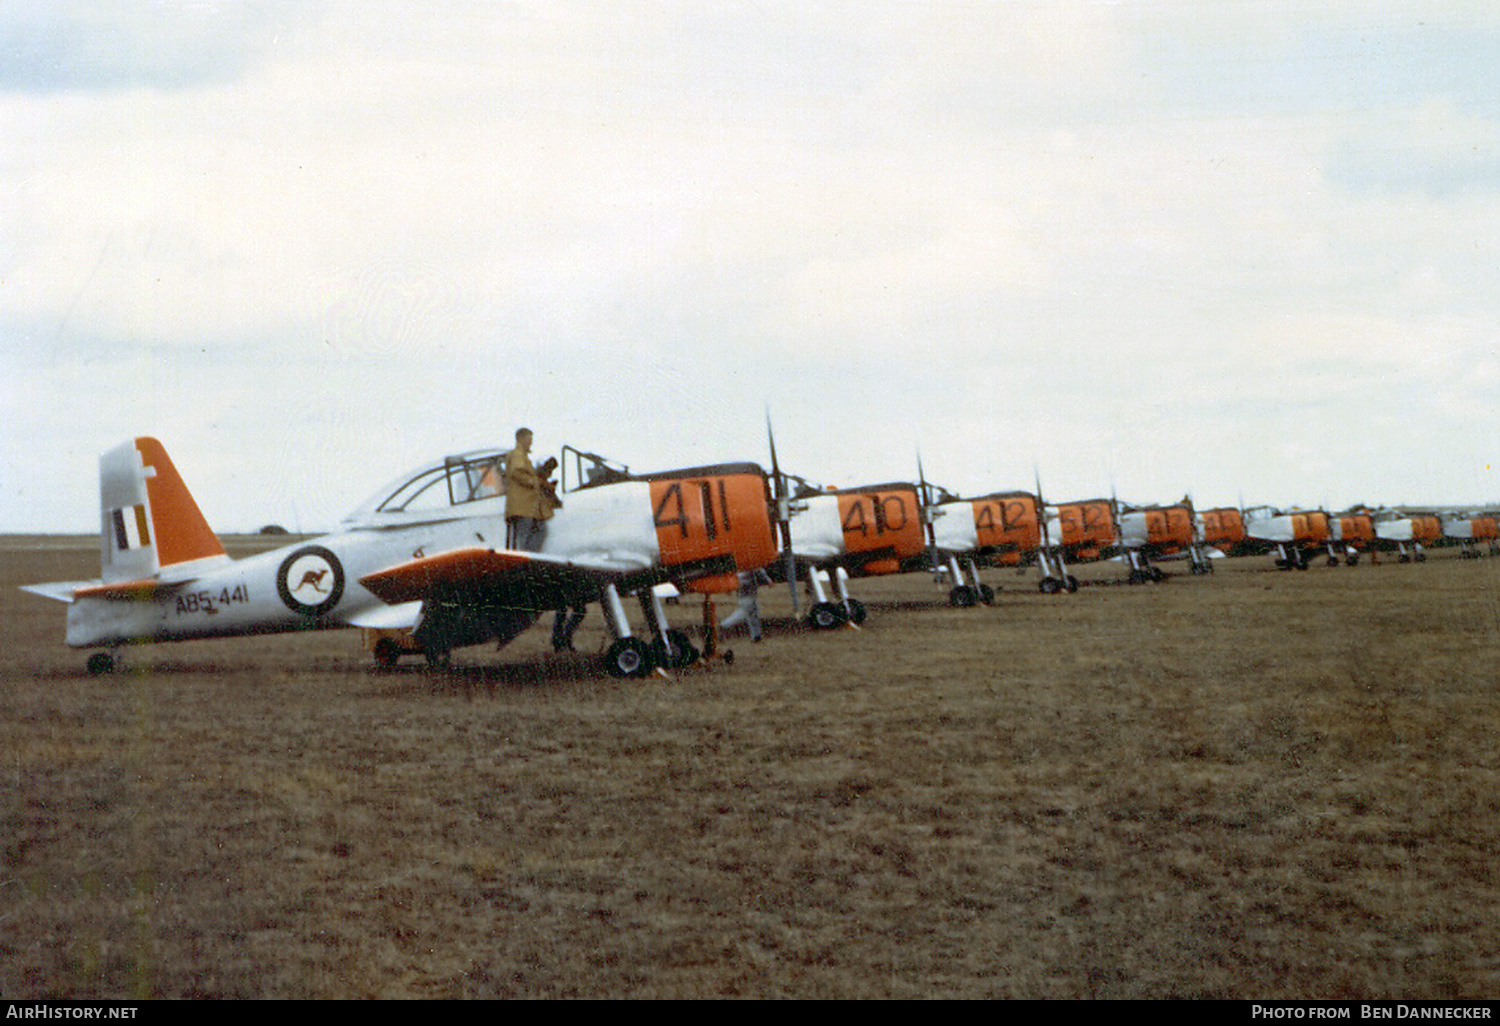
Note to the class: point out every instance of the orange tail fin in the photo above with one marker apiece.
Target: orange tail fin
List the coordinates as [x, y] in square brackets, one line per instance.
[149, 520]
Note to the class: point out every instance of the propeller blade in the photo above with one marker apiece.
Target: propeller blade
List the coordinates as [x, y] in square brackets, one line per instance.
[783, 518]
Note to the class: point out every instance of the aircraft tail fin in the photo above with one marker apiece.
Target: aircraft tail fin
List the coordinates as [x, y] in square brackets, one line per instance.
[149, 520]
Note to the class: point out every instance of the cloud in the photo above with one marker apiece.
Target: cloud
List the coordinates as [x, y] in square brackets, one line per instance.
[1115, 240]
[87, 46]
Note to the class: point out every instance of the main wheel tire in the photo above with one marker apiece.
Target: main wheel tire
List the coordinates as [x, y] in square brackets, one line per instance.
[856, 611]
[101, 662]
[825, 616]
[387, 652]
[683, 653]
[628, 657]
[1050, 585]
[962, 597]
[987, 594]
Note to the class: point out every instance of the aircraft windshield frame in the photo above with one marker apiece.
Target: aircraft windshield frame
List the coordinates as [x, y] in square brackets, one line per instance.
[456, 481]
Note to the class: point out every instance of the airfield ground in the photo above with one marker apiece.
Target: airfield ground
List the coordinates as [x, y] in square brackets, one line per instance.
[1257, 784]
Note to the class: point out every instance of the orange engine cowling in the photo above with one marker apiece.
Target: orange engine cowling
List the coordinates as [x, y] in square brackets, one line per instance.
[1169, 528]
[1223, 527]
[1310, 527]
[1087, 526]
[1009, 524]
[713, 512]
[881, 519]
[1426, 529]
[1486, 528]
[1356, 530]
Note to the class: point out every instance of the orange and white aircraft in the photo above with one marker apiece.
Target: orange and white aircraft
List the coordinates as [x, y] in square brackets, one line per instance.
[1295, 535]
[1407, 533]
[425, 554]
[836, 533]
[1150, 533]
[1001, 528]
[842, 533]
[1471, 528]
[1350, 535]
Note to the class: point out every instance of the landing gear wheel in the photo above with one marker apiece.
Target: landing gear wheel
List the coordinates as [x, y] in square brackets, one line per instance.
[1157, 574]
[856, 611]
[1071, 584]
[387, 652]
[1050, 585]
[962, 597]
[987, 594]
[1352, 561]
[101, 662]
[628, 657]
[825, 616]
[683, 653]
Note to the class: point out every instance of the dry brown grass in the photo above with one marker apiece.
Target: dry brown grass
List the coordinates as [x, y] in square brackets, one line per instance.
[1256, 785]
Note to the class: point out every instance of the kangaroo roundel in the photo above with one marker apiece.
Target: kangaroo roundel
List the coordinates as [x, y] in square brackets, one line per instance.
[310, 581]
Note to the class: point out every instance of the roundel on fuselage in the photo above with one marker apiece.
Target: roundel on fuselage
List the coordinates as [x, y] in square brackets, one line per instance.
[310, 581]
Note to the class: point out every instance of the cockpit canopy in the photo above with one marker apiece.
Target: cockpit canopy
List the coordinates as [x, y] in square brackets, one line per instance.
[435, 489]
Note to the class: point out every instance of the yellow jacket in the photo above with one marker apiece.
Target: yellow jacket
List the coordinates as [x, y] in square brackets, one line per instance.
[523, 491]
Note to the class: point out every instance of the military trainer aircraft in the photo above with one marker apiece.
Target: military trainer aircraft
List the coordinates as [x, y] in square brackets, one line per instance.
[1002, 528]
[1295, 535]
[1470, 528]
[1150, 533]
[425, 554]
[838, 533]
[1350, 533]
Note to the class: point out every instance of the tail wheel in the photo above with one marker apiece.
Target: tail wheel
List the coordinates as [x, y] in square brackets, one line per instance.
[962, 597]
[628, 657]
[826, 616]
[683, 653]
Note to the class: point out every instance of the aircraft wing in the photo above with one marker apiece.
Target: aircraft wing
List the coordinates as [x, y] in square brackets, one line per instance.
[505, 577]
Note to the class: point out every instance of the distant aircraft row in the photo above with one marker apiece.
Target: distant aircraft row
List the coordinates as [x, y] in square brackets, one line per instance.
[423, 567]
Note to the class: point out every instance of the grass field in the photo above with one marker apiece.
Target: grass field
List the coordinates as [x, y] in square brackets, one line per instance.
[1256, 784]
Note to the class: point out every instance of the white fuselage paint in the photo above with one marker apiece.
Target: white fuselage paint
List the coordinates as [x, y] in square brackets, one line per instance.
[609, 526]
[953, 526]
[817, 530]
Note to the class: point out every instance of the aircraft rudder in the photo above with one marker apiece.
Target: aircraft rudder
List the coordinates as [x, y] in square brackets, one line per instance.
[149, 519]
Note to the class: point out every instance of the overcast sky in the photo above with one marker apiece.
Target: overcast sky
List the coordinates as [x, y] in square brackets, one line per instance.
[1239, 249]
